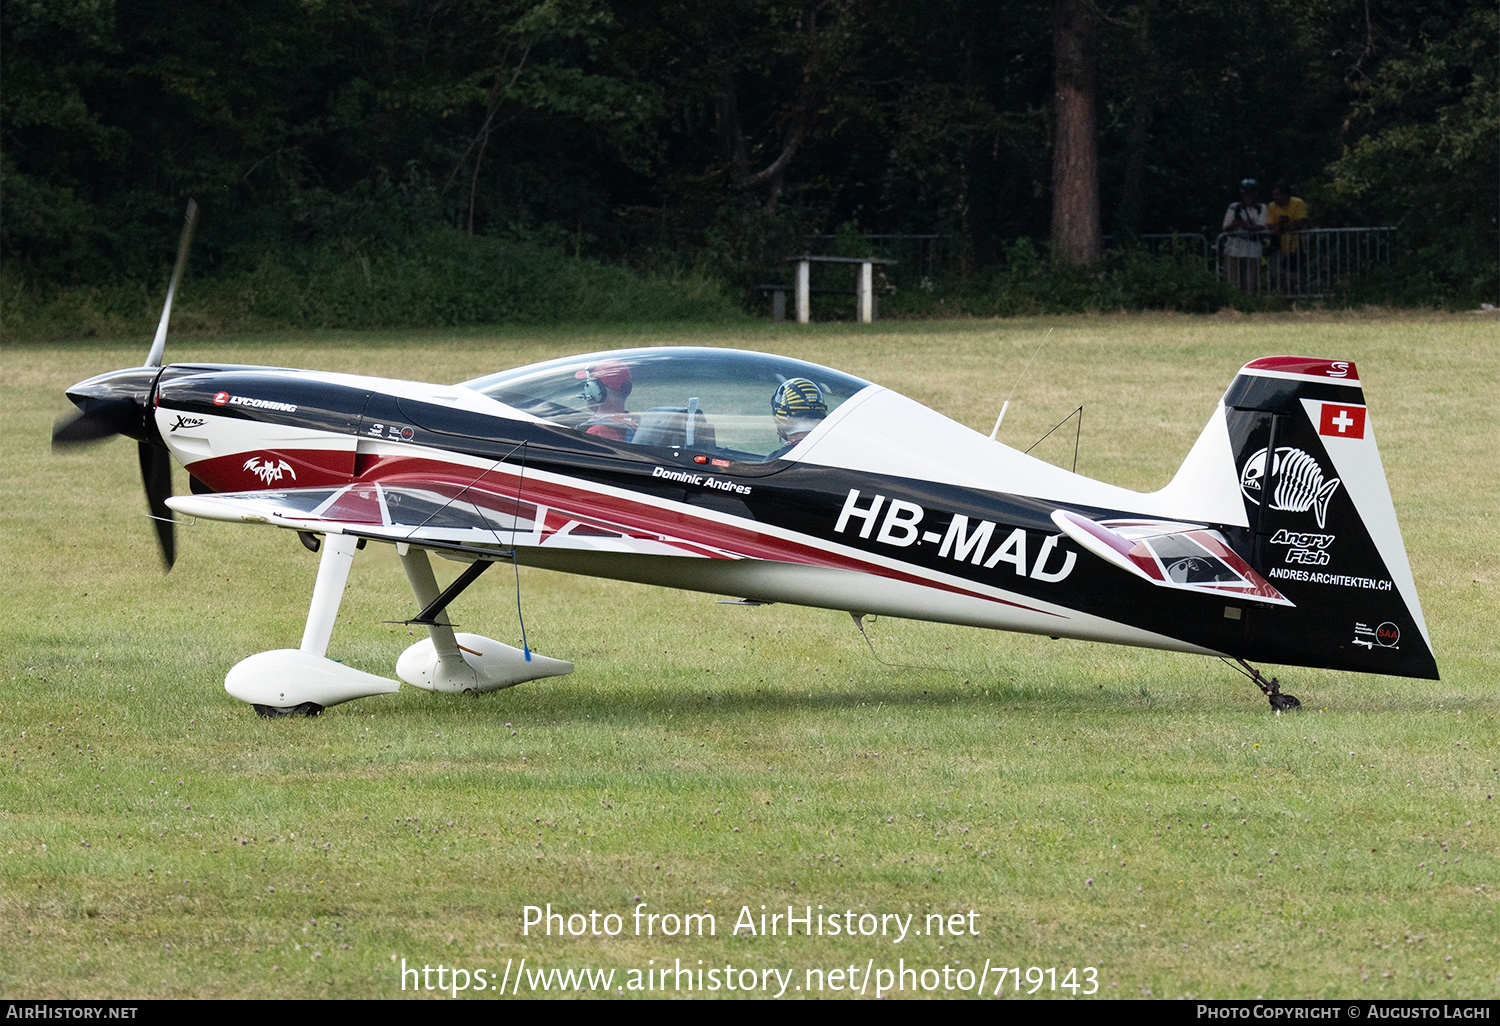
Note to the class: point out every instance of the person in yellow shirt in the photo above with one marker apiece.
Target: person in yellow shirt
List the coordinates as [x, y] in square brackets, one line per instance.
[1286, 217]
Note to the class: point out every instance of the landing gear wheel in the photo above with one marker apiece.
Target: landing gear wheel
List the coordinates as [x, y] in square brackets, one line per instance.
[1280, 702]
[271, 712]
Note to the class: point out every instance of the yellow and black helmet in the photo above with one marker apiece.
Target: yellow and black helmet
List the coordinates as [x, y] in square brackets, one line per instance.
[797, 400]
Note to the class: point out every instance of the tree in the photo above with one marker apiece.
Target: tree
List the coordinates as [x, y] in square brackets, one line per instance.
[1076, 235]
[1420, 139]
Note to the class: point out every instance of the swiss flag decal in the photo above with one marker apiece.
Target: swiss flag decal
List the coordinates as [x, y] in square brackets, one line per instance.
[1342, 421]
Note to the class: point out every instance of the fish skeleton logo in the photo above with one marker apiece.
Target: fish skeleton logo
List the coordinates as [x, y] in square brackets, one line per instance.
[268, 471]
[1300, 485]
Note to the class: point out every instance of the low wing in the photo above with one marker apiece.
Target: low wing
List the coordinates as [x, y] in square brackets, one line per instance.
[1187, 557]
[435, 515]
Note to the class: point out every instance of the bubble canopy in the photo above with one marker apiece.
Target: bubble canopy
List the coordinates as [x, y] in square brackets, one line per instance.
[714, 401]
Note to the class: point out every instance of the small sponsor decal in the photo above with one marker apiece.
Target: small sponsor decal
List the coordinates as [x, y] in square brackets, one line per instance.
[1300, 483]
[186, 422]
[1338, 369]
[1339, 421]
[1304, 546]
[1339, 580]
[221, 398]
[1387, 635]
[701, 480]
[268, 471]
[390, 431]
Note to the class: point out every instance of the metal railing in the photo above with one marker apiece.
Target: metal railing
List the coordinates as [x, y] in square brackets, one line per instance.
[1309, 264]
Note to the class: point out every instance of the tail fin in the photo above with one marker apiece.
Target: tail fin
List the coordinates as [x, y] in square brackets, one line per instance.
[1290, 456]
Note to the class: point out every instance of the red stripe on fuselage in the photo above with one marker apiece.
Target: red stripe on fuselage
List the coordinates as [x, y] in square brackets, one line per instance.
[641, 515]
[307, 468]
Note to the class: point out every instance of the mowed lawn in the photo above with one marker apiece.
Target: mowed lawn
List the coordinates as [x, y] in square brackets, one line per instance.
[1138, 812]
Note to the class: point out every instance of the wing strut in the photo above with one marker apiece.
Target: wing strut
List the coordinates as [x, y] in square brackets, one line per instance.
[428, 616]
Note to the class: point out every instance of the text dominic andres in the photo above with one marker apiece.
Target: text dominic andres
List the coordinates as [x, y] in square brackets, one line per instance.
[748, 923]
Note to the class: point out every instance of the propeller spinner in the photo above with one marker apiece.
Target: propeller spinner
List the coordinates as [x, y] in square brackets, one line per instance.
[120, 402]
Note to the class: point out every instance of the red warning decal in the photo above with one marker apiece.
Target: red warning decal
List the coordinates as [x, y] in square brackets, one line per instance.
[1342, 421]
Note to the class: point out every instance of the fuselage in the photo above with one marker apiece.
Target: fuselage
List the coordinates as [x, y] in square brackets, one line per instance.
[886, 508]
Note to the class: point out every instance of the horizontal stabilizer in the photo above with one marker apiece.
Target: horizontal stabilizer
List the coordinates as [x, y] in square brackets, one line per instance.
[1168, 554]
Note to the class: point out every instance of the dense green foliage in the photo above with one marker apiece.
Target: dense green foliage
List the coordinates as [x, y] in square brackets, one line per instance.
[440, 277]
[717, 135]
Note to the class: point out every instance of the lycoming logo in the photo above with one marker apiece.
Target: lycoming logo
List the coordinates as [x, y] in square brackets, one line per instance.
[257, 404]
[262, 404]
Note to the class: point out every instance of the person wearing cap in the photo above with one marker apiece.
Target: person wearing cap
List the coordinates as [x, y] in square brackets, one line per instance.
[606, 386]
[1246, 220]
[797, 406]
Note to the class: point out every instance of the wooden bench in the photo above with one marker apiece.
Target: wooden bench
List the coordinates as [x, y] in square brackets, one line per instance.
[864, 287]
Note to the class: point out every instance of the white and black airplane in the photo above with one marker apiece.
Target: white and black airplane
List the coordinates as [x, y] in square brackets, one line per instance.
[771, 479]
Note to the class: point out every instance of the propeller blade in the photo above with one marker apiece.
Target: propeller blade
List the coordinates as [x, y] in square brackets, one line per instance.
[103, 421]
[156, 475]
[159, 343]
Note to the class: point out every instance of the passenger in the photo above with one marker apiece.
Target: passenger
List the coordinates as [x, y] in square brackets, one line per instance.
[797, 407]
[606, 386]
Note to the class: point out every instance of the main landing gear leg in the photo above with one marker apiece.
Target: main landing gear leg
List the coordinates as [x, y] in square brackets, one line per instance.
[451, 661]
[302, 681]
[1270, 688]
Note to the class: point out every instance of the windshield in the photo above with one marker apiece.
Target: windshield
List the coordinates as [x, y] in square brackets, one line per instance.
[747, 407]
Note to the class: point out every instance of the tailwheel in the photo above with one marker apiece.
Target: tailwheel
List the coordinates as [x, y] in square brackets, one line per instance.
[1271, 687]
[272, 712]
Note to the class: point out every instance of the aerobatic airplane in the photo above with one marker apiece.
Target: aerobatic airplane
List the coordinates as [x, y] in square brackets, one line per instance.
[771, 479]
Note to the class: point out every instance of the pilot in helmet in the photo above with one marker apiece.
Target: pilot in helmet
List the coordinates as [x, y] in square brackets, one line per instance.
[606, 385]
[797, 407]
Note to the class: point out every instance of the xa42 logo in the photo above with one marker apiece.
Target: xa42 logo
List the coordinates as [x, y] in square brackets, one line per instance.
[268, 471]
[962, 541]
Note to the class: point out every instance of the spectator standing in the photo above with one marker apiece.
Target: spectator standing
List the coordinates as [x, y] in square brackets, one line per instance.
[1286, 217]
[1246, 220]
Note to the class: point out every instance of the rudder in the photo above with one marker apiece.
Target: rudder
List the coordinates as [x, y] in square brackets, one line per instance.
[1321, 524]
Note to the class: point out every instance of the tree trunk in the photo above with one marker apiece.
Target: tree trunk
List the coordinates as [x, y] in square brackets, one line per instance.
[1128, 217]
[1076, 235]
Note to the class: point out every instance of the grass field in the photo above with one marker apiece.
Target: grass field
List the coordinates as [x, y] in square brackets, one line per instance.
[1141, 813]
